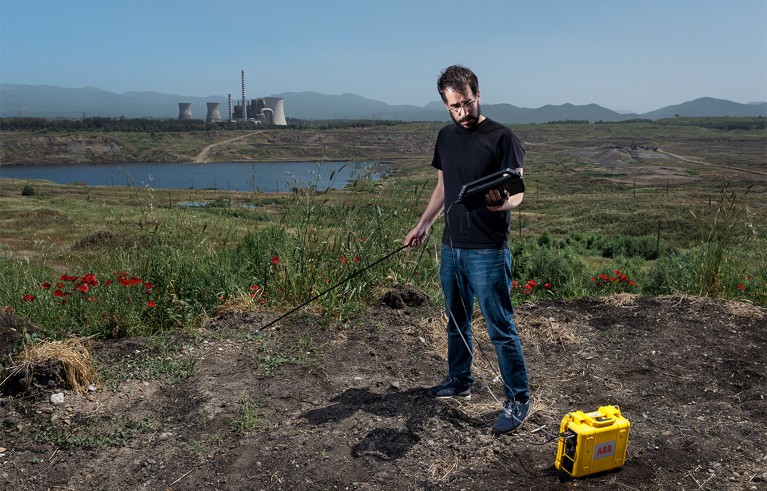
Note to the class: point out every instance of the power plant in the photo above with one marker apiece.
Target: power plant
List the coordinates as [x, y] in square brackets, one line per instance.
[267, 110]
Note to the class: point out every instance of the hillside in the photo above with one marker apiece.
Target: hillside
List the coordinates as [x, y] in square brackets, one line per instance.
[50, 101]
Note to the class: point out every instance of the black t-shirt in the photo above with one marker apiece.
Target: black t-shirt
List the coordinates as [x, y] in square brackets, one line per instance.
[467, 155]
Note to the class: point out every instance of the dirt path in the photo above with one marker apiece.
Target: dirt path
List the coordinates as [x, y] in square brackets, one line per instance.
[203, 155]
[701, 162]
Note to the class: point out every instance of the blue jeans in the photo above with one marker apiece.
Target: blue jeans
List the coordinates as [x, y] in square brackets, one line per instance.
[486, 274]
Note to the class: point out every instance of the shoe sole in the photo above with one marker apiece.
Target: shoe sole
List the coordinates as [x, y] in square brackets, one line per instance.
[497, 432]
[457, 396]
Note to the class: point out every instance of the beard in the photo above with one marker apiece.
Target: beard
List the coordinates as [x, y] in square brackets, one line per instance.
[470, 119]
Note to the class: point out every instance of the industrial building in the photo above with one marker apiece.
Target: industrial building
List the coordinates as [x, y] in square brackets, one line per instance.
[267, 110]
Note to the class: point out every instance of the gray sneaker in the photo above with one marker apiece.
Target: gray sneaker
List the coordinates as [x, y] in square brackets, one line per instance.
[514, 412]
[451, 387]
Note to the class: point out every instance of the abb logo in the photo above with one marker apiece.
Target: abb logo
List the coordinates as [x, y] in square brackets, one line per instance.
[604, 449]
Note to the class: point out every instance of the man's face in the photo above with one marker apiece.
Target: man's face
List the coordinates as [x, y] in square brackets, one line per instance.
[463, 107]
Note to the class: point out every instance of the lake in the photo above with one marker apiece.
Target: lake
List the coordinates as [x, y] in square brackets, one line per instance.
[236, 176]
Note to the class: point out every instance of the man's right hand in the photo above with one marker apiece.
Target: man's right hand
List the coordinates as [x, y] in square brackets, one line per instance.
[415, 237]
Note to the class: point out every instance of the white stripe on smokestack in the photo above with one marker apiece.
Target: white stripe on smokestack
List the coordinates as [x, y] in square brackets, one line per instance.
[244, 100]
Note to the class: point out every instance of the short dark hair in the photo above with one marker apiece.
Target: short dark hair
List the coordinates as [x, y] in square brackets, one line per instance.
[456, 77]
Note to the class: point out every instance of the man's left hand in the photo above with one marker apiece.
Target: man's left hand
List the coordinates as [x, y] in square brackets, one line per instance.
[509, 202]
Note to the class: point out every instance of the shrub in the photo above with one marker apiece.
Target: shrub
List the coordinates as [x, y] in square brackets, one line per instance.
[28, 191]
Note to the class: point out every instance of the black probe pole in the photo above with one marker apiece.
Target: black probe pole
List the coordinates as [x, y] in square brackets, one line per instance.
[333, 287]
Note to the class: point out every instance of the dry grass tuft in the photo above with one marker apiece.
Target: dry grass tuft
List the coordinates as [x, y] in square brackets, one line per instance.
[72, 353]
[533, 330]
[239, 304]
[741, 309]
[441, 470]
[621, 299]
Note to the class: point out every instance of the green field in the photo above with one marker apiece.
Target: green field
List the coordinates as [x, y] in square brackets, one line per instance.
[644, 207]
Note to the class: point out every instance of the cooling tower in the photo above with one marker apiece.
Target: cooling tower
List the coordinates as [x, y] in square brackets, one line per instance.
[268, 115]
[214, 116]
[184, 110]
[277, 105]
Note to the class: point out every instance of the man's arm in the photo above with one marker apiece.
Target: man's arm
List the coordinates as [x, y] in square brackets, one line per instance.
[433, 209]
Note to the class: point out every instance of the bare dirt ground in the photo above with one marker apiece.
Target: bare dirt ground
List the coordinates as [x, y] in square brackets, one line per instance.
[307, 406]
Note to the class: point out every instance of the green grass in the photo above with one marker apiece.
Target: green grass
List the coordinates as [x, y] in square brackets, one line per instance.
[705, 236]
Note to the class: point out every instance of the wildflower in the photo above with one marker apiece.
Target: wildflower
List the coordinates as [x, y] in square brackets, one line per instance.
[46, 286]
[29, 297]
[68, 278]
[150, 304]
[740, 286]
[547, 286]
[343, 260]
[8, 308]
[275, 260]
[82, 287]
[129, 281]
[90, 280]
[513, 283]
[357, 259]
[59, 293]
[148, 287]
[108, 282]
[532, 283]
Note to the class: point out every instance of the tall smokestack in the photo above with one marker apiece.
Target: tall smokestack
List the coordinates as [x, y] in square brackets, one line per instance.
[244, 100]
[230, 107]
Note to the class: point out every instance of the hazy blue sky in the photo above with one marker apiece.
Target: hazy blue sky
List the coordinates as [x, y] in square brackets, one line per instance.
[639, 55]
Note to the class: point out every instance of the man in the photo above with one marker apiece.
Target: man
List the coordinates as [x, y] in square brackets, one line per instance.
[475, 260]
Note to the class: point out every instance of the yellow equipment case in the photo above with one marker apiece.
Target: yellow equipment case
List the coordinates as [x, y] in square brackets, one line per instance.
[592, 442]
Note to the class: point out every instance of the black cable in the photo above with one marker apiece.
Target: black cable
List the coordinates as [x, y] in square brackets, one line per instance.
[333, 287]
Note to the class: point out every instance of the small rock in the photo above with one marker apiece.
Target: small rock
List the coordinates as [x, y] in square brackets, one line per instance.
[57, 398]
[46, 410]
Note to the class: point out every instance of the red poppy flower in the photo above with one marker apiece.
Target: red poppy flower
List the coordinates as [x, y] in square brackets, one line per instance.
[29, 297]
[275, 260]
[8, 308]
[740, 286]
[547, 286]
[357, 259]
[59, 285]
[45, 286]
[532, 283]
[108, 282]
[129, 281]
[68, 278]
[59, 293]
[83, 288]
[343, 260]
[90, 280]
[513, 283]
[150, 304]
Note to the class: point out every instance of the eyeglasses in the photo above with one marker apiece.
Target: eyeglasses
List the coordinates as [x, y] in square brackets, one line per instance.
[454, 108]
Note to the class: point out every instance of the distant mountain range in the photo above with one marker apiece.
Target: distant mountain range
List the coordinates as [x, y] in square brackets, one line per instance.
[52, 101]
